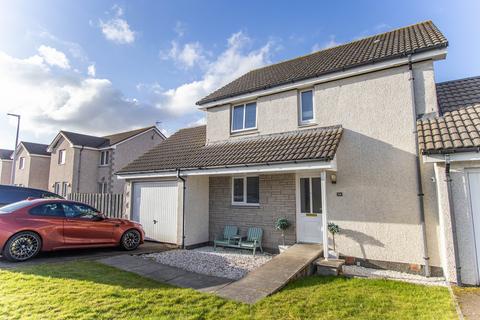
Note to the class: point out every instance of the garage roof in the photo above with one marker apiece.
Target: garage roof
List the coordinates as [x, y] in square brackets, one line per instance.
[186, 149]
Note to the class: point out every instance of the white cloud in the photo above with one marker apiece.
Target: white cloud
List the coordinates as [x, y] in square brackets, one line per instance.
[230, 64]
[187, 56]
[329, 44]
[91, 71]
[54, 57]
[180, 28]
[49, 101]
[117, 29]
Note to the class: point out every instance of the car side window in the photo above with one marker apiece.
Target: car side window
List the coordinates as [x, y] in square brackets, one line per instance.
[76, 210]
[47, 210]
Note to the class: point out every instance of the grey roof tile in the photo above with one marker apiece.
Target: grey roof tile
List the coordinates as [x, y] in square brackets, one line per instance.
[457, 94]
[396, 43]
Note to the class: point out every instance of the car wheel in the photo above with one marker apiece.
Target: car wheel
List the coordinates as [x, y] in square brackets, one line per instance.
[130, 240]
[22, 246]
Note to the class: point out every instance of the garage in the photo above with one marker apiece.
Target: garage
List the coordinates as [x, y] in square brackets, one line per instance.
[473, 176]
[155, 206]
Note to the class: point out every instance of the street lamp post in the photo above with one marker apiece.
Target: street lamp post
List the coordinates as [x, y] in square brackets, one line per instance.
[12, 177]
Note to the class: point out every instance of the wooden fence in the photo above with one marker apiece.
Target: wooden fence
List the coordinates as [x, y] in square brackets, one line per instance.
[110, 204]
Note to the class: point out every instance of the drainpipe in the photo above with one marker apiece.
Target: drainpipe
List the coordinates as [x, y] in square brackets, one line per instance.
[420, 194]
[79, 169]
[183, 207]
[452, 219]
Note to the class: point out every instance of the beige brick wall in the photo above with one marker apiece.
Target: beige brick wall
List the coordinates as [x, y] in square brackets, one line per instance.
[277, 199]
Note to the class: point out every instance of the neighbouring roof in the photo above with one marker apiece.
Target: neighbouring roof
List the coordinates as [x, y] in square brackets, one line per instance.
[102, 142]
[186, 149]
[396, 43]
[456, 94]
[36, 148]
[5, 154]
[455, 131]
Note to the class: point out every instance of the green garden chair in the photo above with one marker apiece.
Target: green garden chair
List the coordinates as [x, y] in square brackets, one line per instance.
[253, 240]
[226, 239]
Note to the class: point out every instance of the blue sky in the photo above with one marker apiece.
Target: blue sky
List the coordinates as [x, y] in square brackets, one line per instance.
[103, 66]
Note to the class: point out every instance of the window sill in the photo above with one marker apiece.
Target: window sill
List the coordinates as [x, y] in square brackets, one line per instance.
[243, 132]
[245, 206]
[102, 165]
[307, 124]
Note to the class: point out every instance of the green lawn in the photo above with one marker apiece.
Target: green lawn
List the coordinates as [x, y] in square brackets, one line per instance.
[89, 290]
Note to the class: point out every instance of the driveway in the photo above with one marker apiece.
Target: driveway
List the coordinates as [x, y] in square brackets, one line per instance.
[85, 254]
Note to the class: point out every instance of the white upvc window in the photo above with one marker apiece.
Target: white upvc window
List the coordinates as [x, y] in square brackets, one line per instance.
[56, 188]
[21, 163]
[246, 190]
[311, 195]
[61, 156]
[64, 189]
[102, 187]
[104, 157]
[244, 117]
[307, 112]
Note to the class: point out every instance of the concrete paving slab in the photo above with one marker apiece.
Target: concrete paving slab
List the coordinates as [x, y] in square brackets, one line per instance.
[166, 273]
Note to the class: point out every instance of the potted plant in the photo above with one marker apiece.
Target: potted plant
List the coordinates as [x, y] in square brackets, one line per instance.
[282, 224]
[333, 229]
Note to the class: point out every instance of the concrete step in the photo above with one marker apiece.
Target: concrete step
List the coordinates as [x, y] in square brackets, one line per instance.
[330, 267]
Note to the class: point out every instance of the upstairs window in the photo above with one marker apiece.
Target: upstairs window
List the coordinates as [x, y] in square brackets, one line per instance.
[21, 163]
[245, 191]
[306, 106]
[61, 156]
[244, 116]
[104, 157]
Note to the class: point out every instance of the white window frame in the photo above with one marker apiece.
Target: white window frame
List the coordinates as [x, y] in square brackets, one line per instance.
[62, 155]
[64, 189]
[310, 187]
[56, 188]
[301, 107]
[244, 202]
[244, 105]
[104, 158]
[21, 163]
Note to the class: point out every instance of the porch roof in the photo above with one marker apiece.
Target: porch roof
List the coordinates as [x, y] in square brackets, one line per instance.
[187, 149]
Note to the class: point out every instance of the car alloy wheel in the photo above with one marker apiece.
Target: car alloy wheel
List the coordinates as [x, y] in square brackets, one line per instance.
[24, 246]
[131, 240]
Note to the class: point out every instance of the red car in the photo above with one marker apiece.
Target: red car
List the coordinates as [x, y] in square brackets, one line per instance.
[30, 226]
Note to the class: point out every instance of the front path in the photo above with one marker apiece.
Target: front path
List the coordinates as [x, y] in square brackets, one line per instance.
[166, 274]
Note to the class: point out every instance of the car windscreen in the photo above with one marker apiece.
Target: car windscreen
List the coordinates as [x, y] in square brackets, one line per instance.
[15, 206]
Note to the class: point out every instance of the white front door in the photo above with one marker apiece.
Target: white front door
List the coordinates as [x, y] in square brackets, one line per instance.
[155, 207]
[474, 187]
[309, 208]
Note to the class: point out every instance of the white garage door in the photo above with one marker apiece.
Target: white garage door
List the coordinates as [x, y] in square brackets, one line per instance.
[474, 186]
[155, 206]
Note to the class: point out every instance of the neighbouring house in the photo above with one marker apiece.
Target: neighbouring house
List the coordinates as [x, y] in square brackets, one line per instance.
[450, 143]
[326, 137]
[5, 166]
[85, 164]
[32, 165]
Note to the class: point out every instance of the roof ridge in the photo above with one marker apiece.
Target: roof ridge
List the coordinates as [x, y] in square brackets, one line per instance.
[343, 44]
[82, 134]
[138, 129]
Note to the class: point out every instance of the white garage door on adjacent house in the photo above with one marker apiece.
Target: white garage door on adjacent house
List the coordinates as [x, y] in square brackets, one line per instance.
[155, 206]
[474, 187]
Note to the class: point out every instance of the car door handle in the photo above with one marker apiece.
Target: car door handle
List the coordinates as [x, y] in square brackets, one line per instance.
[154, 221]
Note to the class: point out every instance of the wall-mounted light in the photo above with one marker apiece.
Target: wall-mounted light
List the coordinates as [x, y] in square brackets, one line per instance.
[333, 178]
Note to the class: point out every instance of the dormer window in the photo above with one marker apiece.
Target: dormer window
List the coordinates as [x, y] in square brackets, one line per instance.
[104, 157]
[21, 163]
[244, 117]
[306, 106]
[61, 156]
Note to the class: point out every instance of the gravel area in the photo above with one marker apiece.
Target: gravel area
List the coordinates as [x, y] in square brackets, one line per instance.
[393, 275]
[226, 263]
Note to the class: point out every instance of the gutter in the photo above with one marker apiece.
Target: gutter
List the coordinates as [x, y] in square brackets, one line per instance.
[452, 220]
[183, 207]
[420, 193]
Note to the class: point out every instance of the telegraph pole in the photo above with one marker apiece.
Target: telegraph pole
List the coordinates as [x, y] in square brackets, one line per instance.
[12, 177]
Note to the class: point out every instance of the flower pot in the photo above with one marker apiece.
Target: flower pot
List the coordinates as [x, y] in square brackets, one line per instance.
[283, 248]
